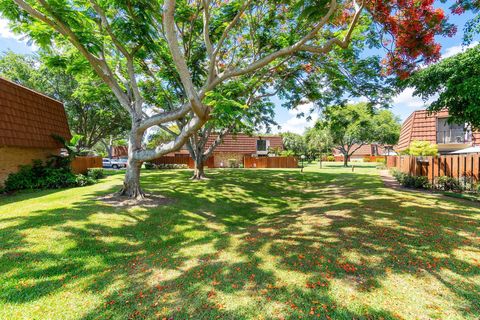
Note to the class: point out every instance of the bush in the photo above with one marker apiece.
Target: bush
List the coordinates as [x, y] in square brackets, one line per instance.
[149, 165]
[96, 173]
[40, 176]
[82, 180]
[167, 166]
[382, 160]
[366, 159]
[232, 163]
[409, 181]
[448, 184]
[331, 159]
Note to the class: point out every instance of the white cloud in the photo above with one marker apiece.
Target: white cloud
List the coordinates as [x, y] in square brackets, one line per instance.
[6, 33]
[457, 49]
[298, 124]
[406, 99]
[5, 30]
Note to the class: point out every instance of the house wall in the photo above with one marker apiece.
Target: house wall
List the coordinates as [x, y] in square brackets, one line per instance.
[12, 157]
[224, 156]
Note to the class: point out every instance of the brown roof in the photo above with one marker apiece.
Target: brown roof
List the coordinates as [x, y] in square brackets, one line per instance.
[28, 118]
[242, 143]
[421, 125]
[365, 150]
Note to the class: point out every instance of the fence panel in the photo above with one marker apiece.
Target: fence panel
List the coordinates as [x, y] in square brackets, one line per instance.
[455, 166]
[270, 162]
[182, 159]
[82, 164]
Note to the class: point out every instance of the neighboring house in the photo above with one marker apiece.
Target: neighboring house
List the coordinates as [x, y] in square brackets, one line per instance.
[366, 150]
[240, 145]
[237, 146]
[421, 125]
[120, 152]
[27, 122]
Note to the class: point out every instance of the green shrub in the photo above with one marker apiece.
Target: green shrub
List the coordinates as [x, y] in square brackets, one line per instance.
[232, 163]
[331, 159]
[381, 160]
[83, 180]
[448, 184]
[96, 173]
[40, 176]
[409, 181]
[167, 166]
[149, 165]
[366, 159]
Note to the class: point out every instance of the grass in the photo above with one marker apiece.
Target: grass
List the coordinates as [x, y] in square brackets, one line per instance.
[247, 244]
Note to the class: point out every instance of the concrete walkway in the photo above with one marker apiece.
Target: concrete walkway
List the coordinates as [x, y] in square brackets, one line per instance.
[389, 181]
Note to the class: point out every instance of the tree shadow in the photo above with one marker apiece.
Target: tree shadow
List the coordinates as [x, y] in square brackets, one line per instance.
[244, 243]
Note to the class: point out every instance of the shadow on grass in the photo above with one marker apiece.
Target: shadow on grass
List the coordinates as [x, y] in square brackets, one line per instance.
[245, 242]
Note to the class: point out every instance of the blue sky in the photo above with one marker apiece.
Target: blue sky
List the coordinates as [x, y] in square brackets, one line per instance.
[402, 105]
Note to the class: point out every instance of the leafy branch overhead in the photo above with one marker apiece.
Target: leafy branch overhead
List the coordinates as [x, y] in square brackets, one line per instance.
[161, 58]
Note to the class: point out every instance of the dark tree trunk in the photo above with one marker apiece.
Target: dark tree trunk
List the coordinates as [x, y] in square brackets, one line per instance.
[131, 183]
[199, 173]
[345, 160]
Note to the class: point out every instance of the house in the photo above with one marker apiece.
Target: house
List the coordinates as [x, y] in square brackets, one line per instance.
[362, 152]
[27, 122]
[434, 127]
[237, 146]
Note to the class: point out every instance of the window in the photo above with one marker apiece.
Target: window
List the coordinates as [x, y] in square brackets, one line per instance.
[452, 132]
[261, 145]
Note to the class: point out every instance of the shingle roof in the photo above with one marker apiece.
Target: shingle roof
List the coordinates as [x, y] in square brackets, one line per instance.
[365, 150]
[28, 118]
[243, 143]
[421, 125]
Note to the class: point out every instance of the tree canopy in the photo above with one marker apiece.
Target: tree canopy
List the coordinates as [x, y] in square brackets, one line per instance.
[454, 83]
[163, 59]
[355, 125]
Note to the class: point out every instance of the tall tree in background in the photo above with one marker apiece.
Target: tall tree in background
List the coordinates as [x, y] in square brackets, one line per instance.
[92, 110]
[454, 84]
[350, 126]
[295, 143]
[319, 141]
[387, 129]
[241, 108]
[129, 43]
[356, 125]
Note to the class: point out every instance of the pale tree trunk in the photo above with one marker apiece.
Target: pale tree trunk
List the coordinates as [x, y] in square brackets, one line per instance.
[131, 183]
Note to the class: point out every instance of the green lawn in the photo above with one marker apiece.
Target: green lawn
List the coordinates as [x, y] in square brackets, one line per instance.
[247, 244]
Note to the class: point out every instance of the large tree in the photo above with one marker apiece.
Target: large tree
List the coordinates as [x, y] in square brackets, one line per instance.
[129, 43]
[453, 83]
[92, 110]
[319, 141]
[386, 129]
[295, 143]
[350, 126]
[355, 125]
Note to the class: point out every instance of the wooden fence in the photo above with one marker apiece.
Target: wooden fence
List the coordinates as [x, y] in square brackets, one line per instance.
[82, 164]
[270, 162]
[456, 166]
[182, 159]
